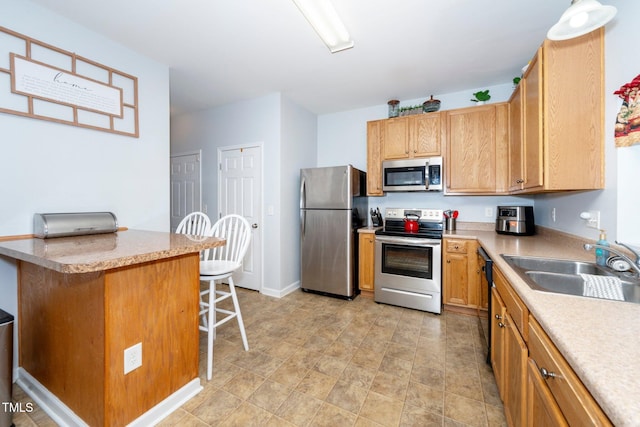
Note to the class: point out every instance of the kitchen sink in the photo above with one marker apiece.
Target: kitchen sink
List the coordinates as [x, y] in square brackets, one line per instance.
[563, 276]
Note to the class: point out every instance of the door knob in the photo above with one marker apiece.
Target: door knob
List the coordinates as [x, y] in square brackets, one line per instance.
[254, 225]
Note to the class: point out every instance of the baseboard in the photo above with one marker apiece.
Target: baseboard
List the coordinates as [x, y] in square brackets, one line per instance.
[62, 415]
[47, 401]
[279, 293]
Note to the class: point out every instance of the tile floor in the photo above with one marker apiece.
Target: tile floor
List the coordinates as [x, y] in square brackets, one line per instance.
[321, 361]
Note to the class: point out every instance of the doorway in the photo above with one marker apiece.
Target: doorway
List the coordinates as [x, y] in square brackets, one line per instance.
[185, 186]
[240, 192]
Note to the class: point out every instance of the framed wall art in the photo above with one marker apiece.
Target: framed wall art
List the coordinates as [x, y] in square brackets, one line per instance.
[44, 82]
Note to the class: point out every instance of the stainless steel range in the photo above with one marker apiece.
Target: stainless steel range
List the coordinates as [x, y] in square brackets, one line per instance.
[408, 265]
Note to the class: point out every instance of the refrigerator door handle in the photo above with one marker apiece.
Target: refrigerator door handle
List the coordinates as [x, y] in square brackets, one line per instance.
[303, 205]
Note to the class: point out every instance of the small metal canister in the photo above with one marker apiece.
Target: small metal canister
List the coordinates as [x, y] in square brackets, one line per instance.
[394, 108]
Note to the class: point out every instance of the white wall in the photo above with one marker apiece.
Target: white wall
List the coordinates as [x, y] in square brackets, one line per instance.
[618, 201]
[299, 134]
[50, 167]
[342, 138]
[288, 135]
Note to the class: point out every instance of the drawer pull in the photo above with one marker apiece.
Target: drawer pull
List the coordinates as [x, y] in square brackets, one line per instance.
[546, 374]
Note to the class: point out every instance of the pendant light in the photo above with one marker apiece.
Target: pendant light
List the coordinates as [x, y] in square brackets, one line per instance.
[582, 17]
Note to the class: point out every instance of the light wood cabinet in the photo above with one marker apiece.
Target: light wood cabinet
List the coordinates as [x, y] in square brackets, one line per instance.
[412, 137]
[460, 273]
[554, 389]
[477, 149]
[542, 409]
[516, 165]
[509, 350]
[374, 159]
[562, 116]
[536, 384]
[366, 251]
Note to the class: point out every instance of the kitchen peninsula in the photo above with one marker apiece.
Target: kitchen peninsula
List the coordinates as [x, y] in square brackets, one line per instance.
[84, 300]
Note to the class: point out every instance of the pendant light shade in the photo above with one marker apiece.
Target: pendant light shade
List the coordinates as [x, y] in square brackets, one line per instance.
[582, 17]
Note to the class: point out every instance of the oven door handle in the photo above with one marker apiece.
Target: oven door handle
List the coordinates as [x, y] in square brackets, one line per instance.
[409, 241]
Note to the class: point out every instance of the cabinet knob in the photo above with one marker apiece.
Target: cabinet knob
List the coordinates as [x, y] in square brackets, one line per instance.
[448, 261]
[456, 247]
[500, 324]
[519, 181]
[498, 317]
[546, 374]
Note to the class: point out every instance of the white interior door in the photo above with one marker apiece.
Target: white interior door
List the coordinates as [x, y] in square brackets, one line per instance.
[240, 192]
[185, 186]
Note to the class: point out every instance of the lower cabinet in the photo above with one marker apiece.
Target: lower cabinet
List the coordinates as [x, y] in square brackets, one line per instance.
[536, 384]
[556, 391]
[460, 279]
[366, 257]
[509, 351]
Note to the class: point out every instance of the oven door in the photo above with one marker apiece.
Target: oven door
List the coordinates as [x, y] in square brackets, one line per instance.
[410, 264]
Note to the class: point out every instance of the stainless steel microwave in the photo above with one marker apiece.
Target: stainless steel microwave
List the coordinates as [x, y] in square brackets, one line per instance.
[423, 174]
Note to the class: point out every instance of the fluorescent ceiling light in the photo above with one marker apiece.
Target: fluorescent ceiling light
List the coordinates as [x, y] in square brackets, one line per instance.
[582, 17]
[325, 20]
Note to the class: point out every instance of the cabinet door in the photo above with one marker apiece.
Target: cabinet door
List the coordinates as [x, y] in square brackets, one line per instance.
[497, 326]
[573, 92]
[471, 150]
[456, 272]
[533, 118]
[516, 167]
[425, 135]
[395, 140]
[374, 160]
[366, 270]
[542, 409]
[515, 360]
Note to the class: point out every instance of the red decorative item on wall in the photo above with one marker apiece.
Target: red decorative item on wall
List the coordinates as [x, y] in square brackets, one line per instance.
[627, 129]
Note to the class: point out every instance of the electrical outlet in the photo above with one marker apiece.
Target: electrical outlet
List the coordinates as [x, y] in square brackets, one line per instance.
[593, 219]
[488, 212]
[132, 358]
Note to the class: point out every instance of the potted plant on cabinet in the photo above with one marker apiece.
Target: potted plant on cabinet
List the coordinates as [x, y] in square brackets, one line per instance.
[481, 97]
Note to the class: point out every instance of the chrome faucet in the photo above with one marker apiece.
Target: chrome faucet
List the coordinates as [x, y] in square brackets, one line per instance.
[635, 264]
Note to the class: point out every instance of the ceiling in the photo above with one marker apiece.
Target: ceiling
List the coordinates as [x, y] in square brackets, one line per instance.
[220, 52]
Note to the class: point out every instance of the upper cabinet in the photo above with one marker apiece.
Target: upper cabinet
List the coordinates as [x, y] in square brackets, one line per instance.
[548, 137]
[476, 155]
[412, 136]
[559, 143]
[400, 138]
[374, 159]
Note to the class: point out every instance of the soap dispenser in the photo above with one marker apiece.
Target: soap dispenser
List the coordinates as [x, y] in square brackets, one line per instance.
[602, 254]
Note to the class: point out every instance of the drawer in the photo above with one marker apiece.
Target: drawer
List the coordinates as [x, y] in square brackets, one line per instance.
[575, 401]
[457, 245]
[516, 308]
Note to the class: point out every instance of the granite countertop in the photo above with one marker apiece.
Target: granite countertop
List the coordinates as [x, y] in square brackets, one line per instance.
[85, 254]
[599, 338]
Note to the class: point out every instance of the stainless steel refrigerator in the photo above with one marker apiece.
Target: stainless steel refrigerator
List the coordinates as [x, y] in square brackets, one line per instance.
[333, 206]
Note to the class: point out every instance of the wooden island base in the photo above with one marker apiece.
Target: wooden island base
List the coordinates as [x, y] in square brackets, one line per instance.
[74, 328]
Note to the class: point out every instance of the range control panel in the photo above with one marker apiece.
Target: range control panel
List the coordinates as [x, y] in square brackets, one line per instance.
[435, 215]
